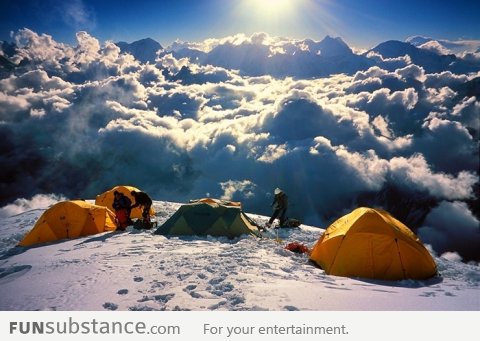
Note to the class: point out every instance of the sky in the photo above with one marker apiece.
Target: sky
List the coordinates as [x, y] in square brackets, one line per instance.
[361, 24]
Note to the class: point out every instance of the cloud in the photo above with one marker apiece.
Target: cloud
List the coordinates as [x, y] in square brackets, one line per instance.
[13, 108]
[445, 78]
[452, 256]
[467, 112]
[452, 227]
[77, 15]
[436, 47]
[389, 64]
[415, 171]
[368, 166]
[39, 201]
[448, 145]
[42, 49]
[308, 120]
[471, 57]
[234, 188]
[411, 72]
[446, 46]
[38, 80]
[394, 106]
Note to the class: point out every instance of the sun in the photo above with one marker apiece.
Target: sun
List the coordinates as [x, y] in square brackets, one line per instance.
[273, 4]
[275, 17]
[270, 7]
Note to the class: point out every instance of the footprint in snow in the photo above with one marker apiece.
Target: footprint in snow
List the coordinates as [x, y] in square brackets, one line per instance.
[202, 276]
[141, 308]
[291, 308]
[190, 289]
[157, 298]
[236, 300]
[219, 288]
[184, 276]
[216, 280]
[156, 284]
[428, 294]
[110, 306]
[218, 305]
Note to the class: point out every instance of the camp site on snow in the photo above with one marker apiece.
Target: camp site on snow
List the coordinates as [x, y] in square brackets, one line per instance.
[366, 243]
[212, 254]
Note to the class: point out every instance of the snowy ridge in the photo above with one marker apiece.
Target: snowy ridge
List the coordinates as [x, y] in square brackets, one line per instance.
[137, 270]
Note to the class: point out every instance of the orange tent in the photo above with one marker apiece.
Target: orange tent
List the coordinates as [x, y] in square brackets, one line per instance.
[68, 220]
[370, 243]
[106, 199]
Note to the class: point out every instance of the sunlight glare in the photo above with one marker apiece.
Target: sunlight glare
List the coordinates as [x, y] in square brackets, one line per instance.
[284, 17]
[271, 7]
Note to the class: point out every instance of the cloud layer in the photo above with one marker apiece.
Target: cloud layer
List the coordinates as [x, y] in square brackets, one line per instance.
[77, 120]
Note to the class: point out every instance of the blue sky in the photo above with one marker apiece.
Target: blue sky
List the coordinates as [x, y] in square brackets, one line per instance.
[360, 23]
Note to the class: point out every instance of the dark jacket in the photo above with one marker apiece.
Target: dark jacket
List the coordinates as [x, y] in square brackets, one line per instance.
[280, 201]
[122, 202]
[142, 199]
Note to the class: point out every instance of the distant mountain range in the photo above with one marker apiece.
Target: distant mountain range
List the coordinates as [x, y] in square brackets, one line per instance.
[307, 58]
[458, 46]
[432, 62]
[302, 59]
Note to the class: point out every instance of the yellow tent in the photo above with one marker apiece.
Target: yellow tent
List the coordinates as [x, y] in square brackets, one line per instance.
[106, 199]
[370, 243]
[209, 217]
[69, 220]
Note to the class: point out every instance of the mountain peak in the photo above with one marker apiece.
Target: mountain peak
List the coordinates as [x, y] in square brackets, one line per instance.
[418, 40]
[394, 48]
[145, 50]
[328, 37]
[333, 46]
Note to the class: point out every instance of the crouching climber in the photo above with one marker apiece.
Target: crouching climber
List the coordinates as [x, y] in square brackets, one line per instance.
[145, 202]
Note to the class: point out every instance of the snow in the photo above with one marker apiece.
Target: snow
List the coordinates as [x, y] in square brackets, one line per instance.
[138, 270]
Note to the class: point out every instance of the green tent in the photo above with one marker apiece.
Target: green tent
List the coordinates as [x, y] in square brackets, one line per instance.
[208, 217]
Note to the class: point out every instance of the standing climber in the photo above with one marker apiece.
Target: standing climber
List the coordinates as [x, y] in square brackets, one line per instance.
[280, 205]
[121, 204]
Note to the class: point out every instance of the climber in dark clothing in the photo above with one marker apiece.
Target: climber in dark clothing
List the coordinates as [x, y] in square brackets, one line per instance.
[121, 205]
[121, 201]
[280, 205]
[142, 200]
